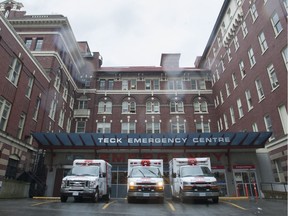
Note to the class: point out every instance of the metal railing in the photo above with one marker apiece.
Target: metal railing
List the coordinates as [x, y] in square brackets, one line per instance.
[274, 187]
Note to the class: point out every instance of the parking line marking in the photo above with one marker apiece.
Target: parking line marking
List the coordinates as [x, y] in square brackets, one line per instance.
[171, 206]
[237, 206]
[41, 203]
[107, 204]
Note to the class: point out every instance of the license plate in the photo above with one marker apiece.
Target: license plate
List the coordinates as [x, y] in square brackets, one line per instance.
[146, 194]
[75, 193]
[202, 194]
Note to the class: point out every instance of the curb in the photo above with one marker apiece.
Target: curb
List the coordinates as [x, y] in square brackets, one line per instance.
[220, 198]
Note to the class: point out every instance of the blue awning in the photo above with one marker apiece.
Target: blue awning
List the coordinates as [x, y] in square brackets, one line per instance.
[165, 140]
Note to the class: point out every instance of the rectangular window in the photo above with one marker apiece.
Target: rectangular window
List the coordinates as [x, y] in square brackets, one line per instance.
[255, 127]
[202, 127]
[262, 42]
[14, 71]
[124, 84]
[133, 84]
[28, 43]
[68, 125]
[36, 108]
[244, 29]
[198, 84]
[82, 104]
[80, 126]
[251, 57]
[177, 127]
[61, 118]
[240, 108]
[5, 108]
[276, 24]
[21, 125]
[102, 84]
[228, 92]
[53, 109]
[234, 80]
[110, 84]
[147, 84]
[260, 90]
[248, 99]
[128, 127]
[242, 69]
[232, 115]
[170, 84]
[285, 56]
[178, 84]
[156, 84]
[225, 121]
[236, 43]
[29, 86]
[254, 12]
[272, 76]
[268, 125]
[103, 127]
[39, 44]
[284, 118]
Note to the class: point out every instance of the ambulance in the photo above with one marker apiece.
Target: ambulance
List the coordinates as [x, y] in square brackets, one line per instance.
[191, 178]
[87, 178]
[145, 179]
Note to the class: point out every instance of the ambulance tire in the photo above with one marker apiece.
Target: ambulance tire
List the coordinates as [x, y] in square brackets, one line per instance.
[95, 198]
[63, 198]
[182, 198]
[130, 199]
[215, 200]
[107, 196]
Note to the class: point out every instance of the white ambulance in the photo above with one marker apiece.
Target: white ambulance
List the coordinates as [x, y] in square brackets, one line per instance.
[191, 178]
[145, 179]
[87, 178]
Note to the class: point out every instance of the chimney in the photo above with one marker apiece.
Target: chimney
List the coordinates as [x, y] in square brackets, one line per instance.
[170, 60]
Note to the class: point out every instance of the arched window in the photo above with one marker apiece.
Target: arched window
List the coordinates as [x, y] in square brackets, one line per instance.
[105, 107]
[200, 106]
[176, 107]
[152, 107]
[129, 107]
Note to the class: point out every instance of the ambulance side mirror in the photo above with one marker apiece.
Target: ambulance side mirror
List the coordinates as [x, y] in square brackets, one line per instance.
[103, 175]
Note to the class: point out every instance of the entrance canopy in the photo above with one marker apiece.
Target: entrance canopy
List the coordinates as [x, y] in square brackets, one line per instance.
[228, 140]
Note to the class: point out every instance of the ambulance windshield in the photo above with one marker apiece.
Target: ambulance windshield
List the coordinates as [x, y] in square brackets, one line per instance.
[190, 171]
[145, 171]
[84, 171]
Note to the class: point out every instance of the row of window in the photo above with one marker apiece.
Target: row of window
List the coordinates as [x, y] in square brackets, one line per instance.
[151, 127]
[5, 109]
[153, 84]
[105, 107]
[259, 88]
[267, 119]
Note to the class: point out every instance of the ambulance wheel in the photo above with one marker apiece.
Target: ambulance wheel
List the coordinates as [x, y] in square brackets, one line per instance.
[107, 196]
[63, 198]
[215, 200]
[182, 198]
[96, 196]
[130, 199]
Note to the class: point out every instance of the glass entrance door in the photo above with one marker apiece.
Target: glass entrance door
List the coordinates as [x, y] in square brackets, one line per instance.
[246, 183]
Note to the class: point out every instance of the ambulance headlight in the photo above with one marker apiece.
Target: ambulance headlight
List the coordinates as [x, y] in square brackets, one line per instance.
[131, 185]
[92, 184]
[160, 185]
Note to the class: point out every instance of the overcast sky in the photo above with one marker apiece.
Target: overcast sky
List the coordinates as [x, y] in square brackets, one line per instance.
[136, 32]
